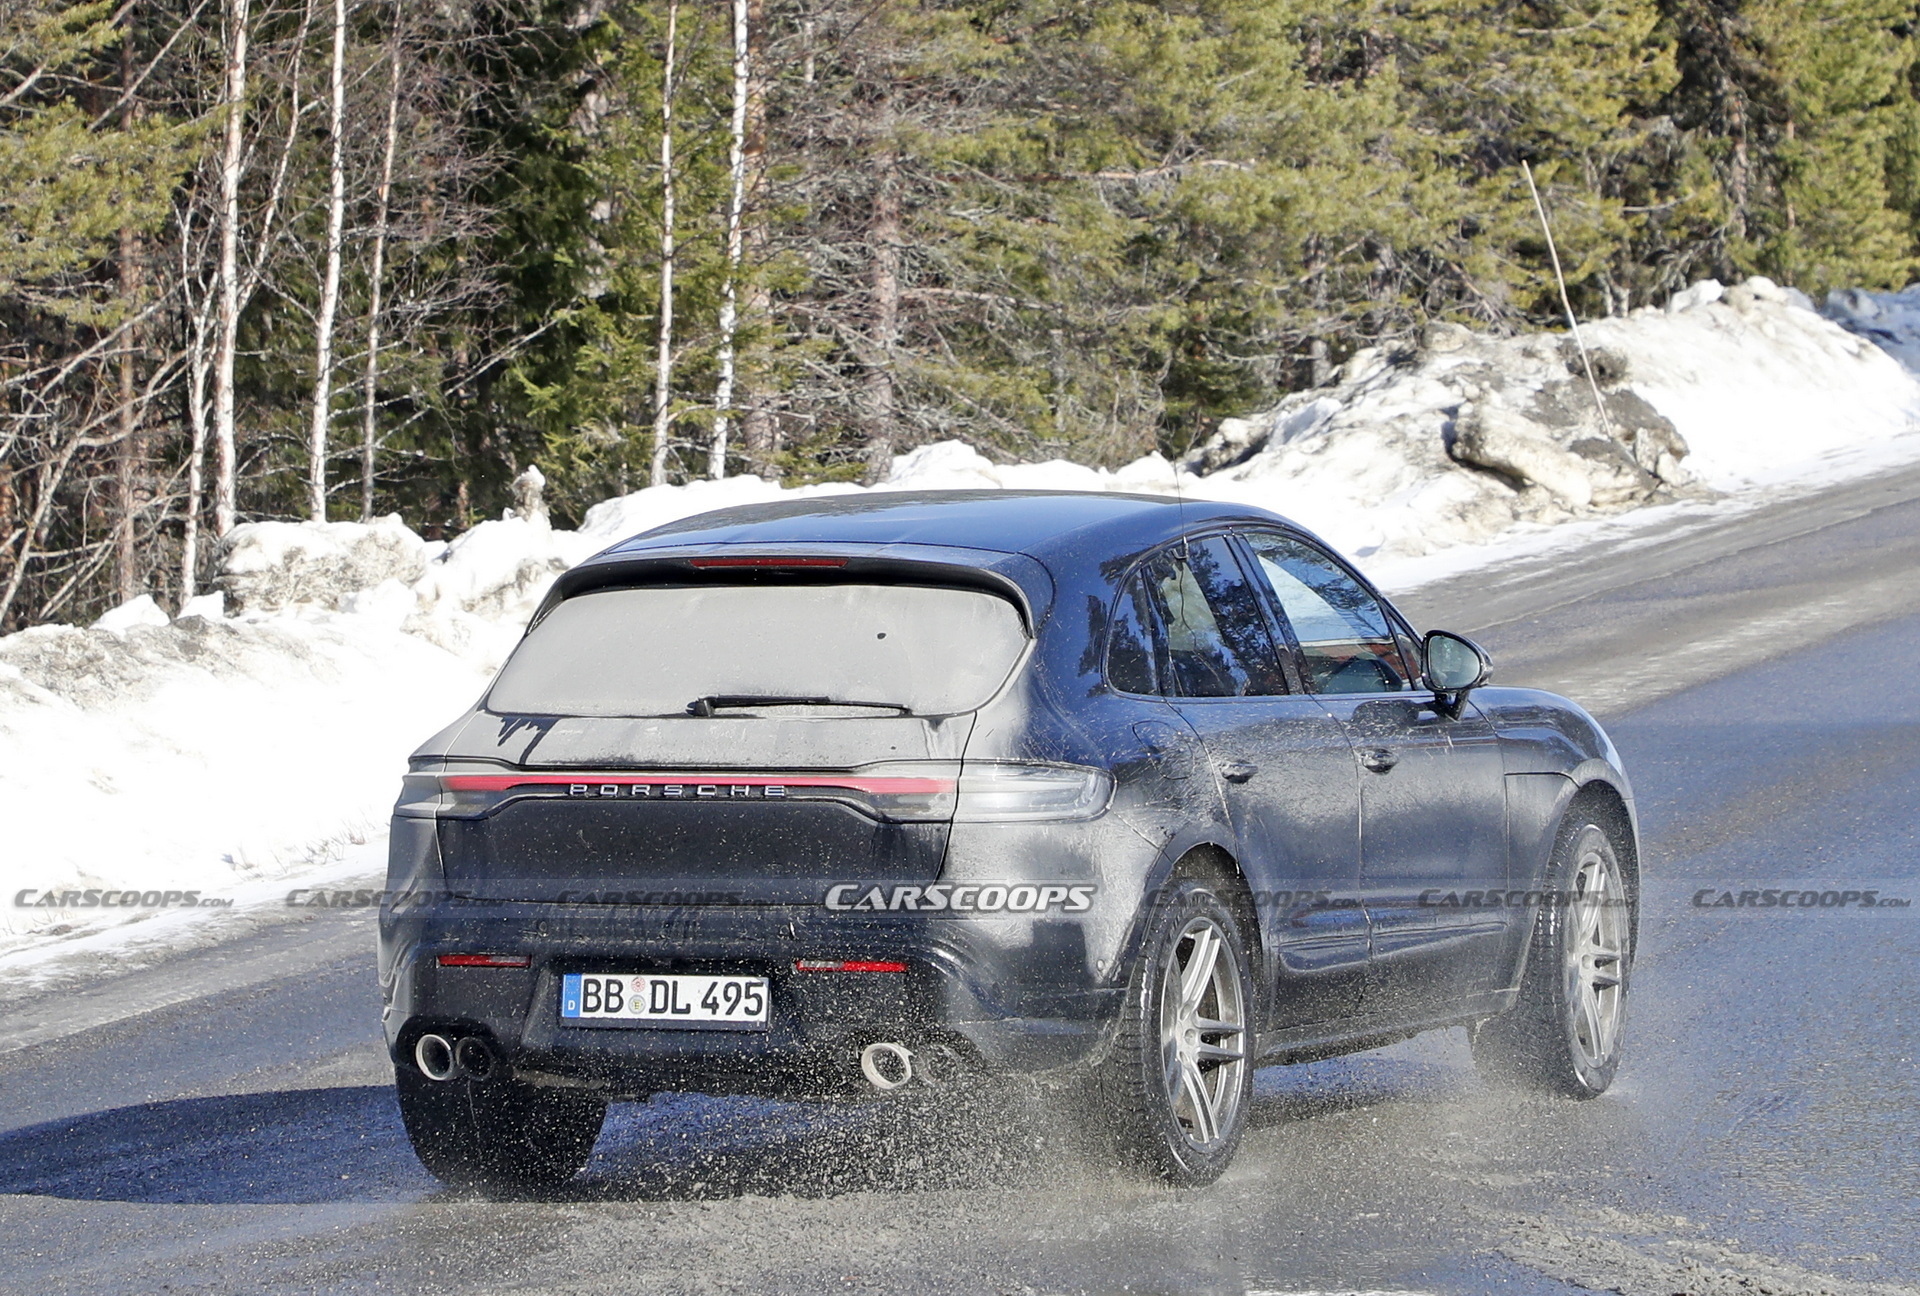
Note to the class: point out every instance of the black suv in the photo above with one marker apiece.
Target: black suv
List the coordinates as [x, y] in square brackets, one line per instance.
[863, 791]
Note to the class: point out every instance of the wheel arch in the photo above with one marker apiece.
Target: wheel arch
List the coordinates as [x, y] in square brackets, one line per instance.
[1600, 800]
[1210, 861]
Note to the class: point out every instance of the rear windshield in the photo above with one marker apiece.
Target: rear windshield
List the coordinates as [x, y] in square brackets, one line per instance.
[679, 650]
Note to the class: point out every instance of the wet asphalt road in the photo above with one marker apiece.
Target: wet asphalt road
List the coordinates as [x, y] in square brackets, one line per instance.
[1761, 677]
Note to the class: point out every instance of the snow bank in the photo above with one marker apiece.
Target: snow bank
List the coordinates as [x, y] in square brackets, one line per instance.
[269, 565]
[1890, 320]
[203, 754]
[1466, 437]
[1764, 389]
[212, 751]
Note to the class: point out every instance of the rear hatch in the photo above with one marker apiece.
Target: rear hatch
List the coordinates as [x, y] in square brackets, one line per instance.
[746, 742]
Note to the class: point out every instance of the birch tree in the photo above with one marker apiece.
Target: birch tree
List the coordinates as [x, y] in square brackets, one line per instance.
[376, 277]
[330, 284]
[663, 372]
[736, 201]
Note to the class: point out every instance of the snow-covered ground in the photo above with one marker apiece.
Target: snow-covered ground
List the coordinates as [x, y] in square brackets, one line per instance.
[246, 748]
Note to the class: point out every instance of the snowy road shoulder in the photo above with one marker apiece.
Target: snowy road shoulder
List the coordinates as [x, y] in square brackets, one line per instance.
[202, 758]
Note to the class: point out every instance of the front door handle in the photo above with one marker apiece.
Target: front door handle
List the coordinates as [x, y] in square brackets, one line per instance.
[1378, 759]
[1238, 771]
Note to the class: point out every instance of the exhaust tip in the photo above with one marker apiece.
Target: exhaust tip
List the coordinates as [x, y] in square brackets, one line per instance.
[434, 1056]
[886, 1066]
[939, 1064]
[473, 1057]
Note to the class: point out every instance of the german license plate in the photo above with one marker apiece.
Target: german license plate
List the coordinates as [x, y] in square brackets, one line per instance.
[664, 1000]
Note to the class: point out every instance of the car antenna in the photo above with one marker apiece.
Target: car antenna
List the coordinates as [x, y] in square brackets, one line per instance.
[1180, 504]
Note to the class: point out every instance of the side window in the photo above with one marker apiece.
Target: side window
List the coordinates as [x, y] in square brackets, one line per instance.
[1132, 656]
[1216, 642]
[1347, 643]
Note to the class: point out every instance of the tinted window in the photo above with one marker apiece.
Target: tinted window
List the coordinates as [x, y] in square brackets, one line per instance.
[1216, 644]
[1132, 643]
[1347, 643]
[653, 652]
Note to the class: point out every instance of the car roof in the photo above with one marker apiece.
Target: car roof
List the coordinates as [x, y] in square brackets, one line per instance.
[1032, 522]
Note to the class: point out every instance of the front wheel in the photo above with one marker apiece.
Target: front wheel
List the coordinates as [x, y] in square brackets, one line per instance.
[1176, 1086]
[499, 1134]
[1564, 1034]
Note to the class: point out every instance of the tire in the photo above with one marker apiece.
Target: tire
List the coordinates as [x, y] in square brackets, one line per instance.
[1564, 1035]
[498, 1135]
[1173, 1093]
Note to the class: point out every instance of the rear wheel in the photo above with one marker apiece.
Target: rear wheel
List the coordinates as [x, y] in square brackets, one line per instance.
[1564, 1034]
[1175, 1089]
[499, 1134]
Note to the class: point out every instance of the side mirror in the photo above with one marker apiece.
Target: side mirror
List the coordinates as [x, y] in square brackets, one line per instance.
[1453, 664]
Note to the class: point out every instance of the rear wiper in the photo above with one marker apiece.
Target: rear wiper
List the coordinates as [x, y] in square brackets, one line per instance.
[706, 706]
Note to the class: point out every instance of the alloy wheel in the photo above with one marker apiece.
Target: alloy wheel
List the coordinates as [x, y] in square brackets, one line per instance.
[1203, 1033]
[1595, 968]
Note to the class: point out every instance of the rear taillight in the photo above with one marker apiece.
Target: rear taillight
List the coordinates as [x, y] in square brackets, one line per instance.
[985, 791]
[895, 791]
[486, 960]
[1002, 792]
[848, 965]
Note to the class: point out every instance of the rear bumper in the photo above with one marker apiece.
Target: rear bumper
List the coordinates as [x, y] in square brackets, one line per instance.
[1009, 992]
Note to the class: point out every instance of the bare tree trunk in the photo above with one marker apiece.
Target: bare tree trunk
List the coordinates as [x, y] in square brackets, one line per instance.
[663, 378]
[878, 397]
[196, 486]
[130, 454]
[371, 382]
[736, 201]
[50, 477]
[232, 159]
[1319, 360]
[758, 432]
[330, 286]
[199, 365]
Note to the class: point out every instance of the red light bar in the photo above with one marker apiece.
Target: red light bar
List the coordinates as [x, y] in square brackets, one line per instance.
[767, 561]
[486, 960]
[880, 786]
[848, 965]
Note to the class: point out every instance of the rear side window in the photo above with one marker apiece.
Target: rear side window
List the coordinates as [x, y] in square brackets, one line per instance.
[1133, 648]
[1199, 628]
[669, 650]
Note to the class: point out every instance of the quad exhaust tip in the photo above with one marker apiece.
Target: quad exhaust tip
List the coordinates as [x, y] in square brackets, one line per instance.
[442, 1059]
[886, 1066]
[474, 1058]
[434, 1056]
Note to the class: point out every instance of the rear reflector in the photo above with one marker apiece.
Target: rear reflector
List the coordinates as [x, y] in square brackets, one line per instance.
[767, 561]
[847, 965]
[486, 960]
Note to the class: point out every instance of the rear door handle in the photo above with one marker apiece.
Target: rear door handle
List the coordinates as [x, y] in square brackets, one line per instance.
[1378, 759]
[1238, 771]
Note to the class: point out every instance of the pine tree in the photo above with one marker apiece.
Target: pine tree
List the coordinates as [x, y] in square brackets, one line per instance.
[1808, 114]
[82, 184]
